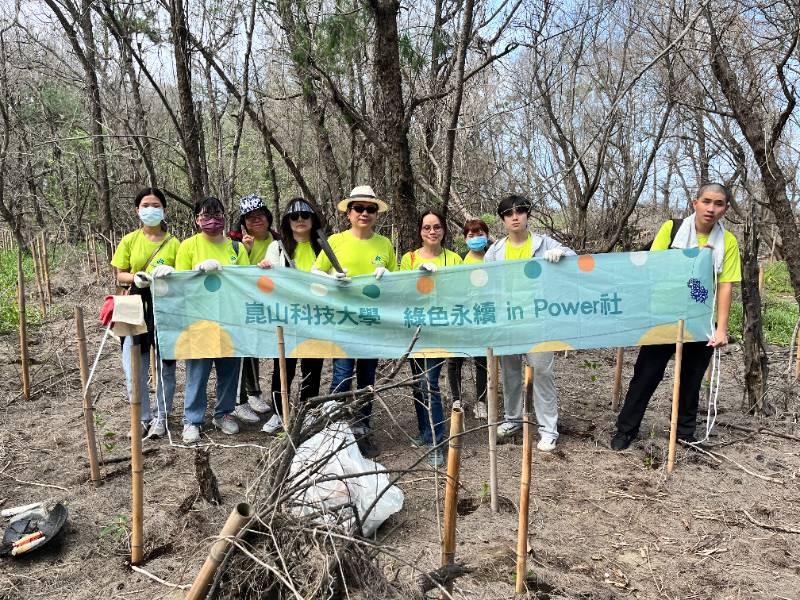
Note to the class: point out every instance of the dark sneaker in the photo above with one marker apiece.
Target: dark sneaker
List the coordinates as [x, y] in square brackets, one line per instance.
[435, 457]
[689, 439]
[621, 440]
[367, 448]
[417, 441]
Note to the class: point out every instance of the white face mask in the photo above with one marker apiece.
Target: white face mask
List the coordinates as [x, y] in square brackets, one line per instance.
[151, 215]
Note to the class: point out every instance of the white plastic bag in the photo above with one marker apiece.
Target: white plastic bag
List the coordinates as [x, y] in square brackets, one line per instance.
[337, 443]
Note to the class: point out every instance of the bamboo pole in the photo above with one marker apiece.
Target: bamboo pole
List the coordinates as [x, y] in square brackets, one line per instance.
[46, 264]
[94, 259]
[797, 359]
[676, 393]
[284, 377]
[491, 376]
[617, 391]
[154, 370]
[137, 483]
[760, 279]
[88, 408]
[23, 327]
[524, 484]
[37, 270]
[236, 520]
[451, 489]
[88, 249]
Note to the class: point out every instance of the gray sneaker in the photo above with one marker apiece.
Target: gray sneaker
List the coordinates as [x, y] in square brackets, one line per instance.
[507, 429]
[227, 424]
[436, 457]
[191, 434]
[258, 404]
[158, 428]
[245, 413]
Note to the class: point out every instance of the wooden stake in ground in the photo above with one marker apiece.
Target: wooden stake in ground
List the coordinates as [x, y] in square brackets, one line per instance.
[284, 377]
[38, 272]
[88, 250]
[236, 520]
[46, 265]
[676, 393]
[88, 407]
[153, 370]
[23, 328]
[797, 359]
[524, 484]
[616, 393]
[491, 377]
[451, 489]
[137, 483]
[760, 279]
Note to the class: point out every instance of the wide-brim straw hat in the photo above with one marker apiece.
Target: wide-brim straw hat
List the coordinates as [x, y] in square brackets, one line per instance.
[364, 193]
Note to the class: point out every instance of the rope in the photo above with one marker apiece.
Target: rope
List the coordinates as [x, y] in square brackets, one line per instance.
[716, 362]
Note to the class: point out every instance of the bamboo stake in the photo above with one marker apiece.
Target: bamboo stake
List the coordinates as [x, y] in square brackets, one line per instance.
[617, 391]
[524, 484]
[37, 270]
[236, 520]
[137, 483]
[797, 359]
[94, 259]
[88, 407]
[491, 375]
[760, 279]
[284, 377]
[46, 264]
[88, 250]
[451, 489]
[153, 369]
[23, 328]
[676, 393]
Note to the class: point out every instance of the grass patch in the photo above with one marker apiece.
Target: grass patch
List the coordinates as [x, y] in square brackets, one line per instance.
[779, 318]
[9, 311]
[776, 279]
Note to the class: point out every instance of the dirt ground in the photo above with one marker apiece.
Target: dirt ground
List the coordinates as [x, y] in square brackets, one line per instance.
[602, 524]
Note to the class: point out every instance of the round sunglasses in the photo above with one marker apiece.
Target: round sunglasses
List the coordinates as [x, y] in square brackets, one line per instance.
[369, 208]
[303, 214]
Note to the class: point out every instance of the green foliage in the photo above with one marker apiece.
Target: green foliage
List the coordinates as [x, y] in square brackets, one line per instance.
[485, 490]
[116, 530]
[410, 57]
[9, 311]
[776, 278]
[592, 366]
[779, 318]
[339, 39]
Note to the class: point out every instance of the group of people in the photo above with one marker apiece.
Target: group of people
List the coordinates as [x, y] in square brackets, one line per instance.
[151, 252]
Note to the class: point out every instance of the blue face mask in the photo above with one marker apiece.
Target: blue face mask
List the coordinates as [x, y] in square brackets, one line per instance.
[477, 244]
[151, 215]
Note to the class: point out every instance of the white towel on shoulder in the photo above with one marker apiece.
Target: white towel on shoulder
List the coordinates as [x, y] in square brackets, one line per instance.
[686, 237]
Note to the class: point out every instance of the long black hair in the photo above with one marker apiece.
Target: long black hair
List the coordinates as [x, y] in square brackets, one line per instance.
[286, 229]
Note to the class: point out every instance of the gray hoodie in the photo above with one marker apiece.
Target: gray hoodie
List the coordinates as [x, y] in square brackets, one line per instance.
[539, 245]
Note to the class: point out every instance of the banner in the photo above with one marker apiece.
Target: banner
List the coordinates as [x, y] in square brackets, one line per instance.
[589, 301]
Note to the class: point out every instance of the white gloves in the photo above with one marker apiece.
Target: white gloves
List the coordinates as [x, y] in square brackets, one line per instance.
[142, 280]
[380, 272]
[337, 277]
[429, 267]
[554, 255]
[161, 271]
[209, 264]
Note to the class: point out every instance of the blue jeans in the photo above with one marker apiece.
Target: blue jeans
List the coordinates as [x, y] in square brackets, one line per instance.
[342, 380]
[165, 387]
[195, 398]
[427, 399]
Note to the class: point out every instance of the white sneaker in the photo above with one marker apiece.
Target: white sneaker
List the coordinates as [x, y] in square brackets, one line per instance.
[480, 411]
[273, 425]
[226, 424]
[245, 414]
[191, 434]
[508, 429]
[157, 428]
[546, 445]
[258, 404]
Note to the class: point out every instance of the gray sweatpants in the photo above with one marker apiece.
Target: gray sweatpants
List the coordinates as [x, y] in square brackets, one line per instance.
[545, 402]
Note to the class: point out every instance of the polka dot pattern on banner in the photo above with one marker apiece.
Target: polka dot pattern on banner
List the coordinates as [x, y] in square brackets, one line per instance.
[203, 339]
[160, 287]
[317, 349]
[533, 269]
[371, 291]
[265, 284]
[479, 278]
[691, 252]
[212, 283]
[318, 289]
[586, 263]
[425, 285]
[638, 258]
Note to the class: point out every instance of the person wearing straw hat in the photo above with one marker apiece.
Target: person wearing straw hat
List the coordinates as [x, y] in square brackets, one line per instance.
[521, 244]
[255, 223]
[701, 229]
[361, 251]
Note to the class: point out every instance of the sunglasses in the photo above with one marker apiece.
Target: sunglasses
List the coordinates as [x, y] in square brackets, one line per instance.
[303, 214]
[517, 210]
[369, 208]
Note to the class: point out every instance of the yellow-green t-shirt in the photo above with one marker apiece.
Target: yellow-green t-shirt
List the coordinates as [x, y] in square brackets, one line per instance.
[259, 250]
[731, 263]
[134, 249]
[412, 260]
[197, 248]
[519, 252]
[472, 260]
[359, 257]
[304, 256]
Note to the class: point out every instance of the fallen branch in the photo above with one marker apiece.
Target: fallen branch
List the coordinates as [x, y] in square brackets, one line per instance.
[34, 483]
[730, 460]
[768, 526]
[158, 579]
[763, 430]
[441, 577]
[119, 459]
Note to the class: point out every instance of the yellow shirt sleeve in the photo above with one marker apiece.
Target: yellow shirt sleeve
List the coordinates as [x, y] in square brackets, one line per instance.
[662, 239]
[122, 255]
[731, 262]
[405, 262]
[183, 259]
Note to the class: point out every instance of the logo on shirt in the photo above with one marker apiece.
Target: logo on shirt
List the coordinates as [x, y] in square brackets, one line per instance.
[233, 258]
[378, 261]
[160, 261]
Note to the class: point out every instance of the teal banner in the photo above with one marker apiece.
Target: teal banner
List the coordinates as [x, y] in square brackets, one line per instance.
[589, 301]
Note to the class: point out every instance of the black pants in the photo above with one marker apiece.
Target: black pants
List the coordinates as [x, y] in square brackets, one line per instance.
[250, 385]
[311, 371]
[454, 367]
[648, 373]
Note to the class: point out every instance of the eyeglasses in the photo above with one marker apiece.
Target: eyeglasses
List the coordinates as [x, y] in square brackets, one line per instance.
[303, 214]
[517, 210]
[369, 208]
[431, 228]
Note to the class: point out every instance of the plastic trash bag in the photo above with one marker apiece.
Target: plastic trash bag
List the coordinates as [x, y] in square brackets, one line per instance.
[333, 452]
